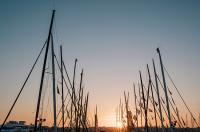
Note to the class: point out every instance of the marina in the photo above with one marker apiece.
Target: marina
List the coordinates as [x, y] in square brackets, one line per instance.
[64, 96]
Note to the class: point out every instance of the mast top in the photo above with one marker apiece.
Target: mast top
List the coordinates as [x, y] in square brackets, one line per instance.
[158, 50]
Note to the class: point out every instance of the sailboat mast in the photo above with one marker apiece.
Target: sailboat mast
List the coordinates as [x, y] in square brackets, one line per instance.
[140, 102]
[146, 107]
[143, 98]
[53, 85]
[63, 117]
[158, 95]
[150, 81]
[43, 72]
[165, 89]
[135, 105]
[73, 98]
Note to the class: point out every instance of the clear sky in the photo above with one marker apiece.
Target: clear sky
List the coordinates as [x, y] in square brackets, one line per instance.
[112, 40]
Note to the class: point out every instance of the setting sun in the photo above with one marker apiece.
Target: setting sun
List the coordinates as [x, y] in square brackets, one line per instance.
[119, 125]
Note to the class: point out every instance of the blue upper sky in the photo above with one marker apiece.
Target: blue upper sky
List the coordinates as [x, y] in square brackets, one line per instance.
[112, 40]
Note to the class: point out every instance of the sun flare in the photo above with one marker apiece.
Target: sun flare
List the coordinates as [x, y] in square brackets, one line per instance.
[119, 125]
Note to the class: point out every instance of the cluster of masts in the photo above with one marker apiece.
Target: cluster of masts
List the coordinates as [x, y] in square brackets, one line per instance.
[165, 111]
[73, 114]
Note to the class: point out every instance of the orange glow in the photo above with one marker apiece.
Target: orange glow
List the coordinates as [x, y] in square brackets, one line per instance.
[119, 125]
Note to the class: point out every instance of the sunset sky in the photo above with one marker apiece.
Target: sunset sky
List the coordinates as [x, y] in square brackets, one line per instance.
[112, 39]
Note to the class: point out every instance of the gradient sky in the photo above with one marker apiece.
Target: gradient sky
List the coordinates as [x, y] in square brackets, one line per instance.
[112, 40]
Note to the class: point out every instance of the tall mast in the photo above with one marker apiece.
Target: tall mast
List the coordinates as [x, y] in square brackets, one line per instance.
[158, 95]
[81, 95]
[140, 102]
[152, 98]
[54, 85]
[63, 116]
[165, 89]
[144, 107]
[73, 98]
[135, 105]
[79, 109]
[43, 71]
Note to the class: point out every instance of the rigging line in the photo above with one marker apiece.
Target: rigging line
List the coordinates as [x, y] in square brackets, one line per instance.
[170, 101]
[41, 114]
[70, 82]
[60, 70]
[67, 74]
[142, 112]
[151, 99]
[42, 102]
[44, 91]
[70, 94]
[68, 116]
[73, 102]
[160, 102]
[22, 87]
[180, 95]
[180, 123]
[49, 90]
[60, 111]
[44, 94]
[66, 105]
[64, 78]
[48, 100]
